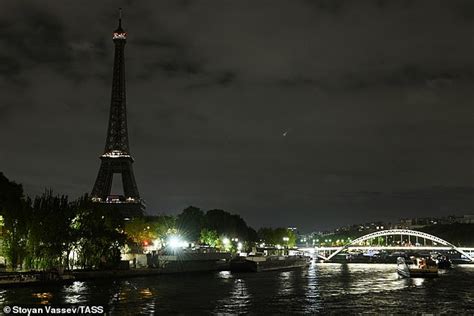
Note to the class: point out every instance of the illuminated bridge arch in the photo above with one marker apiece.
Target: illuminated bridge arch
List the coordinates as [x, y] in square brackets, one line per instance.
[405, 232]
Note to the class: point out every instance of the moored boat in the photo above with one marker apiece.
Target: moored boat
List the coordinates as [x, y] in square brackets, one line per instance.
[417, 268]
[268, 263]
[188, 260]
[34, 277]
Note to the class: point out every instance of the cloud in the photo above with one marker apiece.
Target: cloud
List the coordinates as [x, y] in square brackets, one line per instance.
[437, 193]
[378, 96]
[36, 38]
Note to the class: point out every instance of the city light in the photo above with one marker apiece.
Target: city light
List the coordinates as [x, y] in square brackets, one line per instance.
[115, 154]
[176, 242]
[225, 241]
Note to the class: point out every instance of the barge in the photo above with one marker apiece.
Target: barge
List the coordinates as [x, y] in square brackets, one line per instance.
[268, 263]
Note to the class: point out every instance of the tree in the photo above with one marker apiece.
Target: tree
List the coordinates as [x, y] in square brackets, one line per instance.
[230, 225]
[15, 211]
[190, 222]
[100, 234]
[143, 231]
[277, 236]
[50, 235]
[139, 231]
[209, 237]
[163, 226]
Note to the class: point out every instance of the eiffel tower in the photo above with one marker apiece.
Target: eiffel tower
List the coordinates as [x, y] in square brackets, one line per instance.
[116, 158]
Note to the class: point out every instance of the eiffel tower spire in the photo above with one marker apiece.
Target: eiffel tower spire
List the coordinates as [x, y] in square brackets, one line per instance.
[116, 158]
[117, 133]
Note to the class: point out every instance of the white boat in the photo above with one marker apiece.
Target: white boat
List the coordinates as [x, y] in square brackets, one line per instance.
[416, 268]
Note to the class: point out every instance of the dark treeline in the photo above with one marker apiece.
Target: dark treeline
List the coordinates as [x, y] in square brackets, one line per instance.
[277, 236]
[192, 221]
[41, 233]
[458, 234]
[50, 231]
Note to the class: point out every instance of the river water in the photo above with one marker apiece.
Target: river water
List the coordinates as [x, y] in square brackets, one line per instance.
[321, 288]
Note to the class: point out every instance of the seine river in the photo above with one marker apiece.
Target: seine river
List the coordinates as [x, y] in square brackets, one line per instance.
[321, 288]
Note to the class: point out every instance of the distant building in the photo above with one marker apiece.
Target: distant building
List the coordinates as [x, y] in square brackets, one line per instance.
[293, 229]
[467, 219]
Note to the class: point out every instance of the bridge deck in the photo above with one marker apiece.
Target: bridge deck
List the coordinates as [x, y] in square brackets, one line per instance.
[386, 248]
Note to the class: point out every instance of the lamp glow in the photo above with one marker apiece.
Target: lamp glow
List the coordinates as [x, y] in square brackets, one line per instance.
[176, 242]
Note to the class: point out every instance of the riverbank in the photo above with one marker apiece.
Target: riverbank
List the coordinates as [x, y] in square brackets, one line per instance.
[186, 263]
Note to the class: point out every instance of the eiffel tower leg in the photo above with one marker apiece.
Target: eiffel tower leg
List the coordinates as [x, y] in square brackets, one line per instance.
[103, 183]
[130, 188]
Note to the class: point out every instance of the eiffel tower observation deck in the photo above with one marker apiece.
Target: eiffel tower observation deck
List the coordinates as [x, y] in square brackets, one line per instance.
[116, 158]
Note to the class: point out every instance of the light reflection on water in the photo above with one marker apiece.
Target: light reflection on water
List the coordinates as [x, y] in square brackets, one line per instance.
[238, 300]
[75, 293]
[2, 296]
[43, 297]
[224, 275]
[286, 280]
[321, 288]
[313, 294]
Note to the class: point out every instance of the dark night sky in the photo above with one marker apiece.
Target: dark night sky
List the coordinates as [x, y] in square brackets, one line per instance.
[377, 98]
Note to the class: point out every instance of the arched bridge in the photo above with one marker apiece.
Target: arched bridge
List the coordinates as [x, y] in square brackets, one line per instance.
[444, 245]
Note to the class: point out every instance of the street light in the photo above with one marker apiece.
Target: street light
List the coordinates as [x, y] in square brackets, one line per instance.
[176, 242]
[225, 241]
